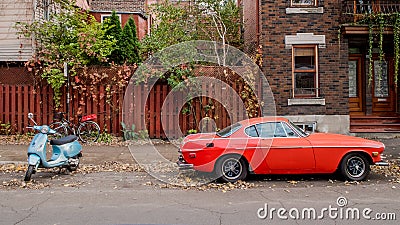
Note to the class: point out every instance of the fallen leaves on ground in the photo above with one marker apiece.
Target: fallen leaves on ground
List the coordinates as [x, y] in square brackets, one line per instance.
[170, 176]
[392, 171]
[110, 167]
[18, 183]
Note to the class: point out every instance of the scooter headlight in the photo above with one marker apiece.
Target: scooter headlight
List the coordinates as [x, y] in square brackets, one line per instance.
[44, 130]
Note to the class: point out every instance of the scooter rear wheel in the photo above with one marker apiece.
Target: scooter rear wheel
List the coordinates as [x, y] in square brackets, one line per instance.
[29, 172]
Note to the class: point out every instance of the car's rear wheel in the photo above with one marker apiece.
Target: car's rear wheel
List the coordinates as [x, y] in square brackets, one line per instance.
[354, 167]
[231, 168]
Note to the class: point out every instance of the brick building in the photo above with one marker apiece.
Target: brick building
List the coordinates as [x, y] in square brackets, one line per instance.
[315, 63]
[102, 9]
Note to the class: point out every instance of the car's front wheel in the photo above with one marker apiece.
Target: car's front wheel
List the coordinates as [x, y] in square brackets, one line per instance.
[354, 167]
[231, 168]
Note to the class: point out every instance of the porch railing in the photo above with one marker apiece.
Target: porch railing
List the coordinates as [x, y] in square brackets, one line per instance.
[353, 10]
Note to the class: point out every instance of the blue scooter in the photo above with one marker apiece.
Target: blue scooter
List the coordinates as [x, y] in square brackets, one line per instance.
[66, 150]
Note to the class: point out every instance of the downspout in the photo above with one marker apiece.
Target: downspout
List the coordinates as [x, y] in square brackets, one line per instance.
[34, 12]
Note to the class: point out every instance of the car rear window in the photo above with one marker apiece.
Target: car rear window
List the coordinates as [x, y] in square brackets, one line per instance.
[228, 131]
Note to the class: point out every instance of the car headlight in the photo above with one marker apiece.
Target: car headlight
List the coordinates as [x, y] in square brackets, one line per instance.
[44, 129]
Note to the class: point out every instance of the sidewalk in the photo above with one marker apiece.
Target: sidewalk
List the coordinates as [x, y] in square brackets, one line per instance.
[91, 154]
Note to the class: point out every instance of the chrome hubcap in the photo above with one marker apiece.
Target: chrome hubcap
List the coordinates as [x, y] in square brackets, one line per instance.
[355, 166]
[231, 168]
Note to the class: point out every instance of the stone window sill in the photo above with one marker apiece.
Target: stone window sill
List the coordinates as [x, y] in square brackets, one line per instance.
[311, 10]
[306, 101]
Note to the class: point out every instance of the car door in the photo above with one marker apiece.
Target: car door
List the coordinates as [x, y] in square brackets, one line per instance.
[287, 149]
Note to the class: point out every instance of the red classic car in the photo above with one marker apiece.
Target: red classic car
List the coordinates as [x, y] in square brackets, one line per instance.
[271, 145]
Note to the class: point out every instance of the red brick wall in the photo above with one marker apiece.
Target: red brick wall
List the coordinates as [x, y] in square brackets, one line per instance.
[141, 23]
[277, 64]
[251, 25]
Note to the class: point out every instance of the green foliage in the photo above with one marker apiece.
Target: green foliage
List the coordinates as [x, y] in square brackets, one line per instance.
[178, 77]
[105, 138]
[129, 44]
[396, 40]
[134, 56]
[5, 128]
[70, 36]
[113, 32]
[143, 134]
[370, 47]
[130, 134]
[380, 21]
[192, 131]
[201, 20]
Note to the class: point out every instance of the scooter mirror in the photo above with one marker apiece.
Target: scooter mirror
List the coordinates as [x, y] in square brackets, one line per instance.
[30, 115]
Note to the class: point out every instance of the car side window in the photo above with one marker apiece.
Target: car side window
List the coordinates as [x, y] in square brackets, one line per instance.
[265, 130]
[251, 131]
[279, 130]
[289, 131]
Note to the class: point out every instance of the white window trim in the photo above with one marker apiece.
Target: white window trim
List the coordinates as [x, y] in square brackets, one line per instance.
[103, 16]
[306, 101]
[304, 39]
[308, 10]
[292, 4]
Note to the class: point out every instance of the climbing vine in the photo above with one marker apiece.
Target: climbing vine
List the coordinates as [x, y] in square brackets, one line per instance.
[378, 22]
[370, 47]
[396, 36]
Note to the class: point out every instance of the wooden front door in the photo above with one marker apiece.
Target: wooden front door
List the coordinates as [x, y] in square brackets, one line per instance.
[383, 88]
[356, 100]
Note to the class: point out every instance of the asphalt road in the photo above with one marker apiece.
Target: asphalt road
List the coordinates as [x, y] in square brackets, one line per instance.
[136, 198]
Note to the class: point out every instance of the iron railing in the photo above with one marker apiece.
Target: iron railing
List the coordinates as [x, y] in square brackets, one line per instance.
[353, 10]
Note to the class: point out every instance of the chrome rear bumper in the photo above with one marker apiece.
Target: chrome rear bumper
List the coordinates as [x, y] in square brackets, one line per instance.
[183, 165]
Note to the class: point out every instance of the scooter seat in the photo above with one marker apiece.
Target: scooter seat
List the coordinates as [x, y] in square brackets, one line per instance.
[64, 140]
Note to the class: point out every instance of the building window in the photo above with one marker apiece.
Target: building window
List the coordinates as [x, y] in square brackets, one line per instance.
[105, 16]
[46, 9]
[302, 3]
[305, 71]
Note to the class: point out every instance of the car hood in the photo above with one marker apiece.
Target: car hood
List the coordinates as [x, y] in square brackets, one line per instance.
[327, 139]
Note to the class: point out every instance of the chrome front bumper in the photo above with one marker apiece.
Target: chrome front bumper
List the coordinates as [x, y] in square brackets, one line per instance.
[381, 163]
[183, 165]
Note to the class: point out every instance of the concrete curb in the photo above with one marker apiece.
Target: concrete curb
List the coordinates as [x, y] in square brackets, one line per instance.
[13, 162]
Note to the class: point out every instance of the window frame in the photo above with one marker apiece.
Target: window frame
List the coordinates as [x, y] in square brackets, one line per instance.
[105, 16]
[274, 125]
[315, 71]
[302, 5]
[46, 9]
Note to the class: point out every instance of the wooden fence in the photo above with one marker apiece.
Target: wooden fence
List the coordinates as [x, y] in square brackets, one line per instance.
[18, 100]
[161, 111]
[146, 109]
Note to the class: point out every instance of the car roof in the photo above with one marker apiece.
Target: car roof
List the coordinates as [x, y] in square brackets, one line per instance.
[262, 120]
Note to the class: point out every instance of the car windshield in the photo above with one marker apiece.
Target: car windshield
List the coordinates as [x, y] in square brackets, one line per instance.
[228, 131]
[299, 130]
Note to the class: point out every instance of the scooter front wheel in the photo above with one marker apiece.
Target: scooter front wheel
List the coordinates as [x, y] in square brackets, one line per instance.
[29, 172]
[73, 163]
